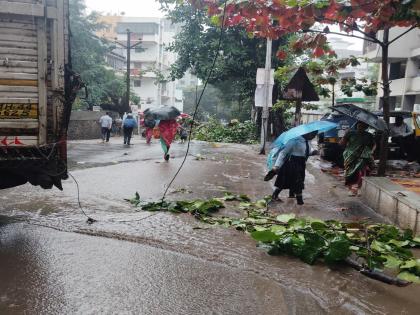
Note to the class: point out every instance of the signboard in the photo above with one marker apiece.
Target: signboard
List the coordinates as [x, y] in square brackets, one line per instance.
[18, 111]
[260, 98]
[261, 76]
[96, 108]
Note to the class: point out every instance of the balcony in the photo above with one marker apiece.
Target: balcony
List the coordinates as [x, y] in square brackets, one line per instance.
[404, 86]
[414, 86]
[415, 53]
[149, 74]
[150, 38]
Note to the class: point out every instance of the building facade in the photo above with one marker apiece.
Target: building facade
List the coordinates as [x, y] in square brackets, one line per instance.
[403, 68]
[343, 49]
[150, 61]
[116, 61]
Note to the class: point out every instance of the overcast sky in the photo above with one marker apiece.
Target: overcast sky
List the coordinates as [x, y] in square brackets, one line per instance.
[150, 8]
[141, 8]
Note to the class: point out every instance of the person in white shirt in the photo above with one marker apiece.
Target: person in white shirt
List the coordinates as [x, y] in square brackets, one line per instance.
[290, 167]
[106, 125]
[401, 135]
[400, 128]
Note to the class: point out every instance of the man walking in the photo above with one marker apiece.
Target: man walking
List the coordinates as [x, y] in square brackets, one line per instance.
[106, 125]
[129, 124]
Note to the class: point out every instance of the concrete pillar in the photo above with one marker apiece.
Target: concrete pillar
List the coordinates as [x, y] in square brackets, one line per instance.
[408, 102]
[411, 70]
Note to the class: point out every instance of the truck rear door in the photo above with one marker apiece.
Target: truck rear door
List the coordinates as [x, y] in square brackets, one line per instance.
[33, 54]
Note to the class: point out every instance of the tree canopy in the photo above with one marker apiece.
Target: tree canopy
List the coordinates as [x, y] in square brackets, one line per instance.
[276, 18]
[357, 18]
[239, 56]
[88, 59]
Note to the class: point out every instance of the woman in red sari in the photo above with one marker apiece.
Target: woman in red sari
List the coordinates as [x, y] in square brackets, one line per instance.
[168, 130]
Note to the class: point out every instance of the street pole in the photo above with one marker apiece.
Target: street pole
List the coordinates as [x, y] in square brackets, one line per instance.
[267, 79]
[128, 48]
[127, 104]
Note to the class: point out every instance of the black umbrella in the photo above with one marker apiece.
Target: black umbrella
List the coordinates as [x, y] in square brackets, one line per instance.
[162, 112]
[362, 115]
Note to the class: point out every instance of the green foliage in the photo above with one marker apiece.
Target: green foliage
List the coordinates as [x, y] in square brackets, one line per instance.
[135, 99]
[88, 59]
[324, 73]
[234, 73]
[378, 246]
[214, 131]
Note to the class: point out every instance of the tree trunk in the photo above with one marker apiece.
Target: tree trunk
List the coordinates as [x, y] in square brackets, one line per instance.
[277, 119]
[383, 153]
[258, 115]
[298, 113]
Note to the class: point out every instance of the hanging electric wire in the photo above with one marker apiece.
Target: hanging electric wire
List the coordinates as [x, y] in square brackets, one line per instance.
[222, 28]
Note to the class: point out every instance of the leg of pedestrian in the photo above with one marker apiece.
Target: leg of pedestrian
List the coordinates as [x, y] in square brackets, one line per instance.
[129, 135]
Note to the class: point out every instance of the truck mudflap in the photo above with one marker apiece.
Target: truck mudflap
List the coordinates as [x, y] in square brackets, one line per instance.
[40, 166]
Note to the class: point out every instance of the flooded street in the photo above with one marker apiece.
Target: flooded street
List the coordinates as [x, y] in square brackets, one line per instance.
[134, 262]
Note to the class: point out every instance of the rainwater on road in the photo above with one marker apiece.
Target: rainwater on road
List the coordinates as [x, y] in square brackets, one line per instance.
[134, 262]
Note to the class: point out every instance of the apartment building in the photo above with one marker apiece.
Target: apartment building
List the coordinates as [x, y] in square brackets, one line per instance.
[403, 67]
[150, 61]
[116, 61]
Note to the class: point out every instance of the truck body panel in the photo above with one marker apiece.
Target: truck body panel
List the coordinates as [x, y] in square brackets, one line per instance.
[34, 54]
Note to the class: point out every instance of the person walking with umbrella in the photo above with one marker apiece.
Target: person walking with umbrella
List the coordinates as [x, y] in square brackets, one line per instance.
[288, 158]
[166, 115]
[168, 130]
[359, 145]
[290, 167]
[358, 156]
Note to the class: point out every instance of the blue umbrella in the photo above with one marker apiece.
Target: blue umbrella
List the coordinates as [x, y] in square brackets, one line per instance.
[280, 142]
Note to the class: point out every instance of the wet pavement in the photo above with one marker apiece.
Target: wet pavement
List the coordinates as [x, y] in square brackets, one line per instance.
[133, 262]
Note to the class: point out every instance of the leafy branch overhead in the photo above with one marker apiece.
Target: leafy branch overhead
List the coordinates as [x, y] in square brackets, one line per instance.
[382, 250]
[277, 18]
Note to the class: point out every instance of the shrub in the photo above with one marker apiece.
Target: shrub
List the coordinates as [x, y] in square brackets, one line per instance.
[235, 132]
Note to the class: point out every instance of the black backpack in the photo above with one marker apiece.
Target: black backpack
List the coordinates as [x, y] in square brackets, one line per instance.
[150, 123]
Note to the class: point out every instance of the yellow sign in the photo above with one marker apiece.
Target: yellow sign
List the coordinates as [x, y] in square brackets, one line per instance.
[18, 111]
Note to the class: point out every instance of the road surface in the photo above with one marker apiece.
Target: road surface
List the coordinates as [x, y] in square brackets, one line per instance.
[134, 262]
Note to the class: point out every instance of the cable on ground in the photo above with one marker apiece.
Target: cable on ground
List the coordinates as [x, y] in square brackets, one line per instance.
[89, 219]
[198, 103]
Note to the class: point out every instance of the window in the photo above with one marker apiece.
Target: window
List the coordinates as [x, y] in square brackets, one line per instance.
[137, 83]
[397, 70]
[138, 49]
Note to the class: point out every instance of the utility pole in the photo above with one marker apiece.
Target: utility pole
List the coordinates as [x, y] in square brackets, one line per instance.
[127, 101]
[267, 96]
[128, 46]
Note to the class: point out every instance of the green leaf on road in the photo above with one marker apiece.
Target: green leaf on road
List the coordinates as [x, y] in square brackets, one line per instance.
[338, 250]
[408, 276]
[285, 217]
[391, 261]
[409, 264]
[264, 236]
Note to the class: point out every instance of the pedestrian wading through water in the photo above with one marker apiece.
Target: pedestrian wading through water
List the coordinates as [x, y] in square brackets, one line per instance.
[290, 167]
